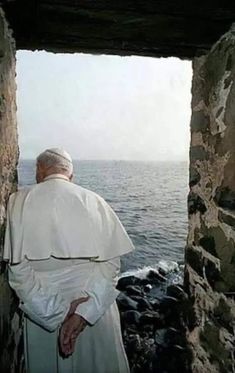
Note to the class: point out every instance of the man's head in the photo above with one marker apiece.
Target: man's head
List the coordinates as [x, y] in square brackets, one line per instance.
[54, 161]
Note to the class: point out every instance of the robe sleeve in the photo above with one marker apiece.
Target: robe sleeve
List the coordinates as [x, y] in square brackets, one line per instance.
[101, 288]
[42, 304]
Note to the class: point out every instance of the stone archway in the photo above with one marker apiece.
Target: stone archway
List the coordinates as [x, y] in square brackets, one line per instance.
[210, 253]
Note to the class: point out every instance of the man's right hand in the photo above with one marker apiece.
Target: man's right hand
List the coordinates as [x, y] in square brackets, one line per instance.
[69, 332]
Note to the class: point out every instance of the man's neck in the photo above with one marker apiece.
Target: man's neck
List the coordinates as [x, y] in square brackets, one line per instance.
[56, 176]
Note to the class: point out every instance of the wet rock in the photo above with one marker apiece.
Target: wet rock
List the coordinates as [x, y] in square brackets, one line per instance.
[147, 288]
[177, 292]
[155, 304]
[154, 276]
[151, 317]
[175, 337]
[123, 282]
[133, 290]
[143, 304]
[126, 303]
[160, 337]
[168, 304]
[131, 317]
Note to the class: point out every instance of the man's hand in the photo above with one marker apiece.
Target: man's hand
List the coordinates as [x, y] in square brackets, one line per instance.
[69, 332]
[73, 306]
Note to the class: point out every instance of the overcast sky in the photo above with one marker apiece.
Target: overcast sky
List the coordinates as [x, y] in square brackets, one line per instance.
[104, 107]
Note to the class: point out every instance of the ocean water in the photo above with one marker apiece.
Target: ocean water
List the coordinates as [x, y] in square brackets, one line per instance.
[150, 199]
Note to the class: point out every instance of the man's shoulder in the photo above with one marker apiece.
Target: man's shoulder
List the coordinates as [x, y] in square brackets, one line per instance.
[21, 191]
[87, 193]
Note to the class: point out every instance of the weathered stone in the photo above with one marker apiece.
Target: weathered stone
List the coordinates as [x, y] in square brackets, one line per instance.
[227, 218]
[208, 244]
[195, 204]
[210, 253]
[225, 198]
[194, 176]
[199, 122]
[10, 324]
[194, 258]
[198, 153]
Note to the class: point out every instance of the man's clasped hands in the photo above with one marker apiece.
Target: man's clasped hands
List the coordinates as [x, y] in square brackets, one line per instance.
[72, 326]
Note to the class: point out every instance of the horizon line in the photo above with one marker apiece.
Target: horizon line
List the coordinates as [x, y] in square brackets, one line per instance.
[116, 160]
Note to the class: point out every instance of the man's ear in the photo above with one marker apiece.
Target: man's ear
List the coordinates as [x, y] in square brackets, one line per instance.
[71, 177]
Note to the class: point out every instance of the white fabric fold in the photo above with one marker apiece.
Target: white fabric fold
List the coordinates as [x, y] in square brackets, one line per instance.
[61, 219]
[42, 303]
[101, 289]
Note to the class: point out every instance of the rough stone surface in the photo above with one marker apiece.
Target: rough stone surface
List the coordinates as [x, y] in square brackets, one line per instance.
[210, 252]
[10, 332]
[150, 28]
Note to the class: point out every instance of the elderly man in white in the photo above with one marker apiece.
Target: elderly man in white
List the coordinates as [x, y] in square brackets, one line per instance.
[63, 245]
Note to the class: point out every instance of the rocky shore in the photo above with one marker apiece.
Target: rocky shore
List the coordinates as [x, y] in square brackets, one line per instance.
[154, 308]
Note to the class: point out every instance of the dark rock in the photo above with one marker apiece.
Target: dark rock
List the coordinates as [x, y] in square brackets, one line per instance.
[160, 337]
[194, 258]
[142, 303]
[133, 290]
[199, 121]
[175, 337]
[227, 219]
[176, 292]
[198, 153]
[155, 304]
[225, 198]
[194, 178]
[155, 276]
[131, 317]
[163, 271]
[147, 288]
[212, 272]
[144, 281]
[167, 304]
[208, 244]
[126, 303]
[134, 343]
[195, 204]
[123, 282]
[151, 317]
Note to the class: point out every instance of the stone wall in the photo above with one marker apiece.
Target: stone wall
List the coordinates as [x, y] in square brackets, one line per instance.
[210, 252]
[10, 333]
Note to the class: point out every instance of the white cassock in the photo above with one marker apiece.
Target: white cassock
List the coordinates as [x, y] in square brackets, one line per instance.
[64, 242]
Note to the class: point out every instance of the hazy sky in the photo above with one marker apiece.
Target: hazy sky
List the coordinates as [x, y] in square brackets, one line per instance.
[104, 107]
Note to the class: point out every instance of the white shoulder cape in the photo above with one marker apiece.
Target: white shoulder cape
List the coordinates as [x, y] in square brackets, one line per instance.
[61, 219]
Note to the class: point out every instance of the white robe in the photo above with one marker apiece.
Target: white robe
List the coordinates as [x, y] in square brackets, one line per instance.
[47, 274]
[46, 288]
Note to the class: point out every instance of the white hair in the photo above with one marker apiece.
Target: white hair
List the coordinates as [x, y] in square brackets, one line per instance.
[57, 159]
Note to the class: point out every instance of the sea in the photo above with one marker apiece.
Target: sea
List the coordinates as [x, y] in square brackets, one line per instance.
[150, 199]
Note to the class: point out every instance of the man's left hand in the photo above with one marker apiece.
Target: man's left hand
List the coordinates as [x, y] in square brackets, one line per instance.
[69, 332]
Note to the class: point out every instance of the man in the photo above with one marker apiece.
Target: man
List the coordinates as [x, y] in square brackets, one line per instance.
[63, 244]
